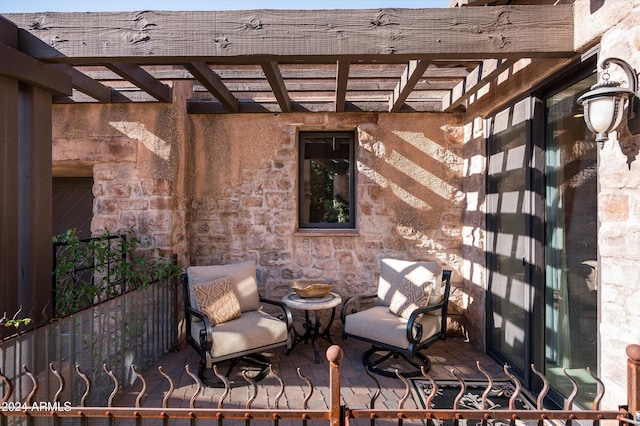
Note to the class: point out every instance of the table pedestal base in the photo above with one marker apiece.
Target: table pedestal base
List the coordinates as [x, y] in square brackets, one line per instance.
[312, 333]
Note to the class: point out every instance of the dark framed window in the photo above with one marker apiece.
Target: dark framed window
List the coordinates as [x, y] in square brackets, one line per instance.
[326, 180]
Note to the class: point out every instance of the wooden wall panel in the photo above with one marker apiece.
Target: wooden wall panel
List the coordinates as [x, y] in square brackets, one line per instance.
[8, 196]
[34, 200]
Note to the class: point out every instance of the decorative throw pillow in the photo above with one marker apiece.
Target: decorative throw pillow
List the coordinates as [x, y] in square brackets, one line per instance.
[218, 300]
[409, 297]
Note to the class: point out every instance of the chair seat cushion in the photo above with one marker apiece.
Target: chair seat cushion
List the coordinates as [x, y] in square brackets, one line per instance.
[377, 324]
[253, 330]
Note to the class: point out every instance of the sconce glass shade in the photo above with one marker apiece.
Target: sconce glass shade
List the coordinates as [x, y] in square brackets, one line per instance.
[604, 108]
[604, 103]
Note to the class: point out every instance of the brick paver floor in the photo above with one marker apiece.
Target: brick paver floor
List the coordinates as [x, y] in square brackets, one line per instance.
[356, 386]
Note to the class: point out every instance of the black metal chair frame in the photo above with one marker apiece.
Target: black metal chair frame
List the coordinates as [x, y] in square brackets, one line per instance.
[411, 354]
[255, 362]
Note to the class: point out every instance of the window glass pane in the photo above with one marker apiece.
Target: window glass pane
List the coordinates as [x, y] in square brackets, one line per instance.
[326, 181]
[571, 294]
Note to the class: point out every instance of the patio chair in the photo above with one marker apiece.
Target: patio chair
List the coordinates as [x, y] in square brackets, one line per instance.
[226, 323]
[408, 316]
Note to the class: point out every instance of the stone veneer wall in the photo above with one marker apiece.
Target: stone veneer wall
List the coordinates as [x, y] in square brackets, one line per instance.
[410, 202]
[618, 29]
[223, 188]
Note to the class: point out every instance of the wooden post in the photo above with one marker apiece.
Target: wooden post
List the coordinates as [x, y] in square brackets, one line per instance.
[633, 380]
[334, 355]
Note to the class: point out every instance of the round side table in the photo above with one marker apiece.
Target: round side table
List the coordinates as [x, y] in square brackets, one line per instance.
[312, 328]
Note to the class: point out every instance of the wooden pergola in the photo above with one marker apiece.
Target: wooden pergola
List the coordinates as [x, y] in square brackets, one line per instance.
[387, 60]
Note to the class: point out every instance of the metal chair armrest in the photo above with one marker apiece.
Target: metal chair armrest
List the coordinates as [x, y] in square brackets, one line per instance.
[344, 311]
[206, 337]
[414, 328]
[288, 317]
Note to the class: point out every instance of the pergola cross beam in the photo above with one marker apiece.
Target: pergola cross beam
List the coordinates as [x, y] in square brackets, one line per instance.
[142, 79]
[212, 82]
[410, 77]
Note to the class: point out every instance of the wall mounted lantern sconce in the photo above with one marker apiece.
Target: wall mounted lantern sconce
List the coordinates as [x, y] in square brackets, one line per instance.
[604, 103]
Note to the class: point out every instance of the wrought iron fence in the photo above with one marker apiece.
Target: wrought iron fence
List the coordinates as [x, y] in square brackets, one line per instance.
[138, 326]
[83, 271]
[336, 414]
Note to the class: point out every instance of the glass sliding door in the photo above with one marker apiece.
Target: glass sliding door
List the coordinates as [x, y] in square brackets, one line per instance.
[571, 244]
[509, 298]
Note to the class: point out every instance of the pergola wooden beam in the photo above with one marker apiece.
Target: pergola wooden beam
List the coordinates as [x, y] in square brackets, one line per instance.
[212, 82]
[86, 84]
[272, 72]
[342, 77]
[145, 81]
[21, 67]
[468, 32]
[472, 83]
[411, 75]
[211, 106]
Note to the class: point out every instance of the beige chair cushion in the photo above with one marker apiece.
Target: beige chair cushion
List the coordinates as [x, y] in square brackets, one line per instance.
[409, 297]
[437, 296]
[242, 274]
[394, 271]
[217, 300]
[379, 325]
[255, 329]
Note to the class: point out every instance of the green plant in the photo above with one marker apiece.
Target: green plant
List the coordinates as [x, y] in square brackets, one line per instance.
[91, 271]
[14, 321]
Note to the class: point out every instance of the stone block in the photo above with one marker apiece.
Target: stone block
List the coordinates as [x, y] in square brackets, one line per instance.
[256, 241]
[106, 206]
[229, 204]
[161, 203]
[104, 172]
[248, 202]
[118, 190]
[344, 257]
[134, 204]
[613, 207]
[128, 219]
[275, 199]
[321, 248]
[100, 223]
[154, 221]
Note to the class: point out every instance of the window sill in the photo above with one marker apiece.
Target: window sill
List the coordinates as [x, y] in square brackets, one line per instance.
[326, 233]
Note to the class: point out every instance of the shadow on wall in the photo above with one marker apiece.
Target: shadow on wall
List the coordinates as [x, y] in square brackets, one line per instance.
[595, 5]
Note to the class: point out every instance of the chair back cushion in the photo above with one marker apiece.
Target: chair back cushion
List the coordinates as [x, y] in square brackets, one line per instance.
[405, 285]
[242, 274]
[217, 300]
